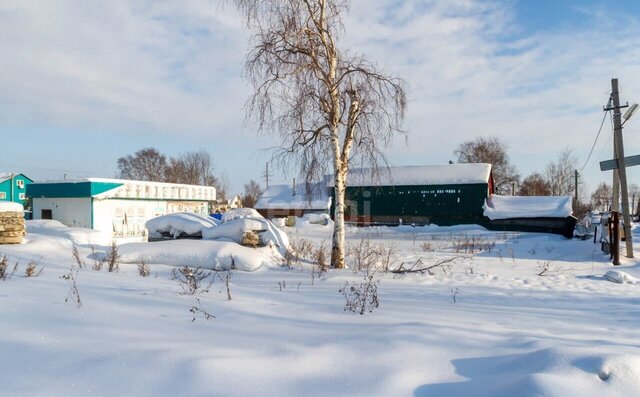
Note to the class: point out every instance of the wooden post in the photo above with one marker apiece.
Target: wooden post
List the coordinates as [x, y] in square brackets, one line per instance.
[615, 242]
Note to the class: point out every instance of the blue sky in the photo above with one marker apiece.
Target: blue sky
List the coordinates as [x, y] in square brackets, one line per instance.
[83, 84]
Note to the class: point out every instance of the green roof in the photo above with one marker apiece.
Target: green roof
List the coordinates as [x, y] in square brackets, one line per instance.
[70, 189]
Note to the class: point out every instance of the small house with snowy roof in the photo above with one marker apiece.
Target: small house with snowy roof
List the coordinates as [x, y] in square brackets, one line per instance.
[288, 200]
[117, 206]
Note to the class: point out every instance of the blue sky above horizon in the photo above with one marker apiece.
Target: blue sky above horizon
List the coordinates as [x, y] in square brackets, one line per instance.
[83, 84]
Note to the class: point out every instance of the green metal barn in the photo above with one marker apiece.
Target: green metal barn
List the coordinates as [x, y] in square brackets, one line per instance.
[442, 194]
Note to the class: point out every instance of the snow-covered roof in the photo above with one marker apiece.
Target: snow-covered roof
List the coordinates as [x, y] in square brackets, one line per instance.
[414, 175]
[282, 197]
[505, 207]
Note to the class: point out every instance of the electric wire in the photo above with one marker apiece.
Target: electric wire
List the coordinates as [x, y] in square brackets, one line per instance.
[597, 136]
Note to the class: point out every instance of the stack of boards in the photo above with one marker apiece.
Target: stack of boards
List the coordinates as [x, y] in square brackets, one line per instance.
[11, 227]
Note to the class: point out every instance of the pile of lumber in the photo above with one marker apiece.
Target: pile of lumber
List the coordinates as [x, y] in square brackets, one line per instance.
[11, 224]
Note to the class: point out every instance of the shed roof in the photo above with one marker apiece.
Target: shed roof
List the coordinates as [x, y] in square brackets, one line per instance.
[417, 175]
[283, 197]
[506, 207]
[103, 188]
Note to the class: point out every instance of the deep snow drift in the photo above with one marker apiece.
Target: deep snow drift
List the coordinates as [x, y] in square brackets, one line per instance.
[486, 326]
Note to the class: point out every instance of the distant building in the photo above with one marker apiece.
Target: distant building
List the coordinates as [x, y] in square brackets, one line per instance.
[226, 205]
[284, 200]
[113, 205]
[13, 187]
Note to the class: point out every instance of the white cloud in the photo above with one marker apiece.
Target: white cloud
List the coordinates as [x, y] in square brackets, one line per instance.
[159, 66]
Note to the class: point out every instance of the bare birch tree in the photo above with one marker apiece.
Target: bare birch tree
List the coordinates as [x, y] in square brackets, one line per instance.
[326, 105]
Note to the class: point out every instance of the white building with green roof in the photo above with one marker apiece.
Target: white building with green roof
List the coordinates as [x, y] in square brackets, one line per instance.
[115, 205]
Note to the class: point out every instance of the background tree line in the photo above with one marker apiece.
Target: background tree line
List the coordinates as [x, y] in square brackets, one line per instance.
[556, 179]
[191, 168]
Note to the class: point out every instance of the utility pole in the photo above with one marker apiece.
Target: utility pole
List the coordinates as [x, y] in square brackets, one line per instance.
[266, 174]
[575, 186]
[622, 171]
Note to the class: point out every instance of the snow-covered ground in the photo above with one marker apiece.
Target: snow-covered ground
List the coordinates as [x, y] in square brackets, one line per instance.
[487, 326]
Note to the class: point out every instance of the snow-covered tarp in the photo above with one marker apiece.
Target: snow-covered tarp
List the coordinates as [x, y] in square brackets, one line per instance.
[283, 197]
[238, 213]
[10, 206]
[447, 174]
[178, 223]
[506, 207]
[234, 231]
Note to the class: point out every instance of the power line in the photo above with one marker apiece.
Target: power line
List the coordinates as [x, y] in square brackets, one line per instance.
[597, 136]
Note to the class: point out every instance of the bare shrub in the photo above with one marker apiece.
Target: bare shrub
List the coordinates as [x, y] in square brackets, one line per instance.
[76, 257]
[472, 245]
[98, 260]
[364, 254]
[388, 255]
[226, 282]
[361, 297]
[5, 273]
[74, 292]
[454, 295]
[427, 246]
[143, 268]
[300, 249]
[420, 266]
[198, 309]
[32, 270]
[192, 280]
[546, 268]
[319, 257]
[113, 258]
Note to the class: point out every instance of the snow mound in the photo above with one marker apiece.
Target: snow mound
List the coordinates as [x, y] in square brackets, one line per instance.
[505, 207]
[551, 372]
[235, 230]
[619, 277]
[78, 236]
[240, 213]
[10, 206]
[179, 223]
[214, 255]
[317, 219]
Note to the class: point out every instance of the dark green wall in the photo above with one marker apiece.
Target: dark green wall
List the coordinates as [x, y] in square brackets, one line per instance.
[442, 204]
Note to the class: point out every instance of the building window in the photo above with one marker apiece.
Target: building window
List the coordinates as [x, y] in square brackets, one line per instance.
[20, 183]
[22, 196]
[3, 195]
[46, 214]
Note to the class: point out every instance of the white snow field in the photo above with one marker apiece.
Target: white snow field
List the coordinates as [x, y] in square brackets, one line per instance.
[487, 326]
